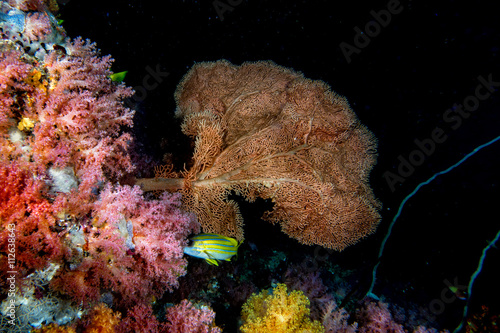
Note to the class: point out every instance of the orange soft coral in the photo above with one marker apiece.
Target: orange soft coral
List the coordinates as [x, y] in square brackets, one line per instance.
[100, 320]
[278, 312]
[54, 328]
[103, 320]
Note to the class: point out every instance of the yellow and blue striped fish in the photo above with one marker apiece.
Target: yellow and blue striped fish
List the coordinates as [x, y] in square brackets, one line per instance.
[212, 248]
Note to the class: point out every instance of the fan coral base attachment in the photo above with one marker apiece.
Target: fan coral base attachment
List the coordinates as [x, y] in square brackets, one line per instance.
[265, 131]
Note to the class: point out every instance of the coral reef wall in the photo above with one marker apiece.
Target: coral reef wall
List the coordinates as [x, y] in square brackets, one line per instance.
[70, 236]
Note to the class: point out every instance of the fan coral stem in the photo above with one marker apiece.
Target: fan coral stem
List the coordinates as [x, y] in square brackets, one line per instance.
[160, 184]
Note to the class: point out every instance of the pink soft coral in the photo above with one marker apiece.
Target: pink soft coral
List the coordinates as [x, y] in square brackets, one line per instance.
[83, 108]
[64, 113]
[303, 278]
[188, 318]
[134, 247]
[335, 319]
[376, 317]
[13, 71]
[65, 116]
[37, 26]
[160, 230]
[76, 114]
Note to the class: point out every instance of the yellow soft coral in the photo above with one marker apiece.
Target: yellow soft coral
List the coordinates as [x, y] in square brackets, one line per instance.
[25, 124]
[278, 312]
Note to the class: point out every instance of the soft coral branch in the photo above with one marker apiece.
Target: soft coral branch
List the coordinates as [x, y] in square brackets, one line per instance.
[134, 247]
[23, 206]
[83, 107]
[13, 72]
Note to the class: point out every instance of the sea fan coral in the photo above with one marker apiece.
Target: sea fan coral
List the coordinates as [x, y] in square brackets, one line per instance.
[265, 131]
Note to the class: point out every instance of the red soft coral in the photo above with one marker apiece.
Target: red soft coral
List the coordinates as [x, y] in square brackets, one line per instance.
[24, 209]
[140, 318]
